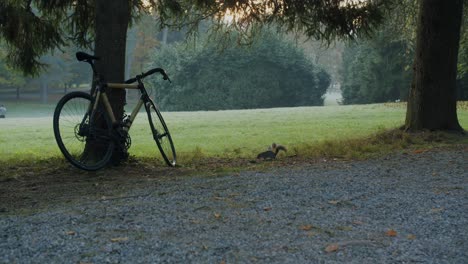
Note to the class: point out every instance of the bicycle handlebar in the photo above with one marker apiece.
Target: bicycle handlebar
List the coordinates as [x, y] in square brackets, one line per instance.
[143, 75]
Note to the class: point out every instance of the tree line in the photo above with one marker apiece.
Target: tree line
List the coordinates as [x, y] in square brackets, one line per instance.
[270, 72]
[372, 70]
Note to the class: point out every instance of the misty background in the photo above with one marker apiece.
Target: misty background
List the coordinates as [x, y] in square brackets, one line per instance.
[211, 72]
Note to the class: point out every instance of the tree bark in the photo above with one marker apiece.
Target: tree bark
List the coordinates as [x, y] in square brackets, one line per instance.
[111, 23]
[432, 99]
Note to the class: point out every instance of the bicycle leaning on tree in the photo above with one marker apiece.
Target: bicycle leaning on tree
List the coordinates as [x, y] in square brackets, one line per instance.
[87, 131]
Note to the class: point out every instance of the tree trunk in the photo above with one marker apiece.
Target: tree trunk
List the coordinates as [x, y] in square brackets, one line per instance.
[432, 99]
[111, 23]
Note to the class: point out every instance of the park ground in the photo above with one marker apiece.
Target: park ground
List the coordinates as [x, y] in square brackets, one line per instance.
[33, 173]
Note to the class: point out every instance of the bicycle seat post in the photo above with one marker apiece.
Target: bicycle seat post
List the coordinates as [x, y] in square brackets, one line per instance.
[92, 67]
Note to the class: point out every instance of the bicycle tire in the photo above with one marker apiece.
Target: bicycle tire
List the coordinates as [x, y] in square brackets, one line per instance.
[163, 140]
[85, 148]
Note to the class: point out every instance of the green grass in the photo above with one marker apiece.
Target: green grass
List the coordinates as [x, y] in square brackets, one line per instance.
[344, 131]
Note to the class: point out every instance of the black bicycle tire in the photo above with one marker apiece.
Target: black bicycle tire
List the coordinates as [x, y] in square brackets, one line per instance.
[58, 137]
[149, 107]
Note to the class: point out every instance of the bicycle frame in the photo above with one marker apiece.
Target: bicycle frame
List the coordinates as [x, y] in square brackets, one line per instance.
[100, 94]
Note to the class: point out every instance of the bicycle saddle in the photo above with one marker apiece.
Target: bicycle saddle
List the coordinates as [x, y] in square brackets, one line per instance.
[81, 56]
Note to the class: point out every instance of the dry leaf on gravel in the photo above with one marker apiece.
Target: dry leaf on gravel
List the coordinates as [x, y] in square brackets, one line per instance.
[437, 210]
[306, 227]
[332, 248]
[391, 233]
[119, 239]
[357, 222]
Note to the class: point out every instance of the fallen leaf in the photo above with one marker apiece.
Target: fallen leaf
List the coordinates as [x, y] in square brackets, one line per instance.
[334, 202]
[419, 151]
[306, 227]
[332, 248]
[437, 210]
[119, 239]
[71, 233]
[391, 233]
[356, 222]
[217, 215]
[411, 237]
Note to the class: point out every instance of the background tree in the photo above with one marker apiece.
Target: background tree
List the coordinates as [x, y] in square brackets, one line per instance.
[462, 77]
[376, 70]
[10, 79]
[271, 72]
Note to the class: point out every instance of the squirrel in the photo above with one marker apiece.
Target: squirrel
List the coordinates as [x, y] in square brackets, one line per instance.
[271, 152]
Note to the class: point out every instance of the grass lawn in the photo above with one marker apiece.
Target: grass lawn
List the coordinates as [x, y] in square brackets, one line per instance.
[26, 134]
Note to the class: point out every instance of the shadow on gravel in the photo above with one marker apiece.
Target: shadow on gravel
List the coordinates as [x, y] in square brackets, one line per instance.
[35, 187]
[26, 188]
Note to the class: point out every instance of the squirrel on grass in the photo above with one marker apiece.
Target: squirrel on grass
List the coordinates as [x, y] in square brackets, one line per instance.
[271, 152]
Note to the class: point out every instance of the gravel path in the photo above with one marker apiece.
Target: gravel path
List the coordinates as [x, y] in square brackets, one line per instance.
[403, 208]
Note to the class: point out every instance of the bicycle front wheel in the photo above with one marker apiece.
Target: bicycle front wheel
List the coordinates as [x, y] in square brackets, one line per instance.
[161, 134]
[86, 145]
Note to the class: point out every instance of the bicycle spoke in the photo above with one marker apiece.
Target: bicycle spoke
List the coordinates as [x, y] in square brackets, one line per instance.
[84, 146]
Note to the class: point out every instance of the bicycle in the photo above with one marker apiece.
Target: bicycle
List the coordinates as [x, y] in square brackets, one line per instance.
[87, 131]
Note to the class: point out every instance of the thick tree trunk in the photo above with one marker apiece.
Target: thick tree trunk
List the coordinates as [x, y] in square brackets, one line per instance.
[111, 23]
[432, 99]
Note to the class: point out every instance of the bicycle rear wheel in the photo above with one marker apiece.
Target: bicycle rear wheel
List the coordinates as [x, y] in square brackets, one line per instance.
[161, 134]
[86, 146]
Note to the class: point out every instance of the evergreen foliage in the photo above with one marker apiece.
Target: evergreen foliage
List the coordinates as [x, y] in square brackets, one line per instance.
[379, 69]
[32, 28]
[376, 70]
[322, 20]
[270, 73]
[462, 78]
